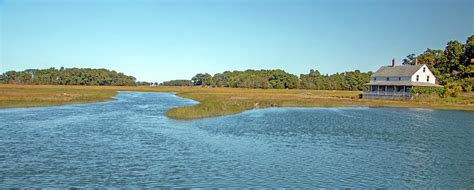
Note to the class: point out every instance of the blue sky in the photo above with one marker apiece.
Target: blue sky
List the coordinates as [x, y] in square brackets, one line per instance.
[156, 40]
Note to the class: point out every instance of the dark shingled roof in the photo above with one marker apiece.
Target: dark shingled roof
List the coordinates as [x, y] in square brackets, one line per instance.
[397, 71]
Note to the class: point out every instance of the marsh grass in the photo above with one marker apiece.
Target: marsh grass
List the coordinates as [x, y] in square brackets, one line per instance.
[218, 101]
[32, 96]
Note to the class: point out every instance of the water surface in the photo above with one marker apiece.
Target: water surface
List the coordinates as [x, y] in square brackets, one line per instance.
[129, 142]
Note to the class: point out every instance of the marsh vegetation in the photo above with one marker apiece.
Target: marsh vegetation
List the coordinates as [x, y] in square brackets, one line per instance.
[218, 101]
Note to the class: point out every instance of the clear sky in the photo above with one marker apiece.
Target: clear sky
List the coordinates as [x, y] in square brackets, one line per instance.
[156, 40]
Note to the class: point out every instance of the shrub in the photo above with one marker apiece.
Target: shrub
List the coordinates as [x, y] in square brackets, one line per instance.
[467, 84]
[453, 90]
[468, 88]
[428, 90]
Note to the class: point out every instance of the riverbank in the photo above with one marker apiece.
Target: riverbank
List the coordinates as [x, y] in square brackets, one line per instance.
[217, 101]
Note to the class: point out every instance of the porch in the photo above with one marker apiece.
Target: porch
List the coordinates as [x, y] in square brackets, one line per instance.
[388, 92]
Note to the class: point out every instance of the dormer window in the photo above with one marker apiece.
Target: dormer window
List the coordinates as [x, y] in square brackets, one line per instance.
[427, 78]
[417, 78]
[424, 69]
[388, 79]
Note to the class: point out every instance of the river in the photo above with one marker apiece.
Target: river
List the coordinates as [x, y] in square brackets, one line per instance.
[129, 142]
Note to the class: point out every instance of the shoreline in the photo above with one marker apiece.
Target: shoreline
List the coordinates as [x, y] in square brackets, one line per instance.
[217, 101]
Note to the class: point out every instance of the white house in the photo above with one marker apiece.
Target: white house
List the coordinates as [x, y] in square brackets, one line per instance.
[392, 82]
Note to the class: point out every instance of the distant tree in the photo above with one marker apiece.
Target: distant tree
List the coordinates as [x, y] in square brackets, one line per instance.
[143, 83]
[178, 83]
[202, 79]
[352, 80]
[71, 76]
[218, 80]
[409, 60]
[279, 79]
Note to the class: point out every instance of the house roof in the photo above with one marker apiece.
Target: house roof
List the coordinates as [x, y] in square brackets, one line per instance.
[399, 83]
[397, 71]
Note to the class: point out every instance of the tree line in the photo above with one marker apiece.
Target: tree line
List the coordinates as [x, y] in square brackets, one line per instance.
[280, 79]
[453, 66]
[177, 83]
[68, 76]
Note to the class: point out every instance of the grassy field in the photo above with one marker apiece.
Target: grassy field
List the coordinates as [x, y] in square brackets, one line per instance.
[217, 101]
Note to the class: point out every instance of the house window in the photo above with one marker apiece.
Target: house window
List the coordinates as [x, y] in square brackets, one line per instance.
[375, 78]
[424, 69]
[417, 78]
[399, 78]
[388, 79]
[427, 78]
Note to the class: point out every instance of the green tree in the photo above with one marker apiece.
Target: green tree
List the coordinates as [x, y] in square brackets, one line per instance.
[202, 79]
[72, 76]
[453, 52]
[434, 59]
[469, 57]
[409, 60]
[178, 83]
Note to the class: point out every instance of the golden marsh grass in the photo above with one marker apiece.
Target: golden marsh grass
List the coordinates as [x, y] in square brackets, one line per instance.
[217, 101]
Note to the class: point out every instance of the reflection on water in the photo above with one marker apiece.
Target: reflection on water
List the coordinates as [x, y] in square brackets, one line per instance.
[130, 143]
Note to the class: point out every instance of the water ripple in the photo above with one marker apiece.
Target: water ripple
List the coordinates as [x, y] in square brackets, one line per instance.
[129, 143]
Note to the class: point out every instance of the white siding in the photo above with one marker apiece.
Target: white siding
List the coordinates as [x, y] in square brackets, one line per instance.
[422, 76]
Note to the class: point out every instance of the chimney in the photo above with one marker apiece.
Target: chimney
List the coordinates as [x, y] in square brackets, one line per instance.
[393, 62]
[416, 60]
